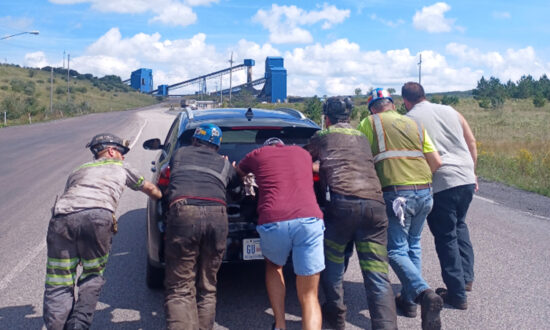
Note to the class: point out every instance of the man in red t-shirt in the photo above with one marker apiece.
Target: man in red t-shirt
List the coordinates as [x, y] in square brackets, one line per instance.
[289, 220]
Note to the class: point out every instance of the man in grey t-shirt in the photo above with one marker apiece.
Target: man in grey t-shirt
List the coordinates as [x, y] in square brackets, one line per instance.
[81, 231]
[454, 184]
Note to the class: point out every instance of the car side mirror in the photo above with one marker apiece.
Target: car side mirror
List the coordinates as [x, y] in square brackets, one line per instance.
[152, 144]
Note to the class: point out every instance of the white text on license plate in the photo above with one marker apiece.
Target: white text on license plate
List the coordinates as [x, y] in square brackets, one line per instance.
[252, 249]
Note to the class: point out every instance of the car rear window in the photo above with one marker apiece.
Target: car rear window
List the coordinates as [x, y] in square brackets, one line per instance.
[238, 141]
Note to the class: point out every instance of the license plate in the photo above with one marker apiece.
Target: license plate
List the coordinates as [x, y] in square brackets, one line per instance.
[252, 249]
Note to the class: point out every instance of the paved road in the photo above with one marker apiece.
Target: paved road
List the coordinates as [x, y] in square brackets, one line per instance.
[510, 230]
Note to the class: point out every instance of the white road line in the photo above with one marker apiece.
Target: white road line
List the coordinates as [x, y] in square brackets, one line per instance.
[22, 265]
[139, 133]
[524, 212]
[486, 199]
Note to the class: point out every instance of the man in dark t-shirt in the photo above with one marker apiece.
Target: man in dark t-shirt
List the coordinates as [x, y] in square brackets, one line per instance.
[289, 220]
[196, 230]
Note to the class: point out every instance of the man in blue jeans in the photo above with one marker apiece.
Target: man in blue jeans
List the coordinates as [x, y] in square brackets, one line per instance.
[454, 184]
[405, 159]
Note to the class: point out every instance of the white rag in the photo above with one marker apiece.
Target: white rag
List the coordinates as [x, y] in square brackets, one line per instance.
[249, 184]
[398, 206]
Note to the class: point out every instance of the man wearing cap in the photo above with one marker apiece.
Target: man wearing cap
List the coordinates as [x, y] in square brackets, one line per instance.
[81, 231]
[196, 230]
[354, 211]
[405, 159]
[454, 184]
[289, 220]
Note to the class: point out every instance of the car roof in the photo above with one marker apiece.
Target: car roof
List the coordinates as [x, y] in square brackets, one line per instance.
[231, 117]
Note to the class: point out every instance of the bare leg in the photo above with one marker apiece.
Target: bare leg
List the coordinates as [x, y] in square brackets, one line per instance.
[276, 289]
[307, 287]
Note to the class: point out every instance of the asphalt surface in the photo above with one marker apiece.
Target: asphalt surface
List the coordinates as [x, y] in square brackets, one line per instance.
[510, 230]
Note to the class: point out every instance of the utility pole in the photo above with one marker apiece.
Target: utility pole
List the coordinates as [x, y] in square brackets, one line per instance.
[51, 89]
[230, 76]
[420, 70]
[63, 59]
[221, 89]
[68, 89]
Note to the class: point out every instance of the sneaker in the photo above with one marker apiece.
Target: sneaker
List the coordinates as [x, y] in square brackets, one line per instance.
[430, 306]
[448, 299]
[408, 309]
[334, 319]
[469, 286]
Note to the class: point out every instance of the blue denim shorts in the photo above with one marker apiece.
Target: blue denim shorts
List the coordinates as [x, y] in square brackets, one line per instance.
[303, 236]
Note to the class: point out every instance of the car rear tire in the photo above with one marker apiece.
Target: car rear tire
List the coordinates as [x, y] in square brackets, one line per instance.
[154, 276]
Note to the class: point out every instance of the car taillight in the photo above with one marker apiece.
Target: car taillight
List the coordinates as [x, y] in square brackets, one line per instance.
[164, 178]
[315, 177]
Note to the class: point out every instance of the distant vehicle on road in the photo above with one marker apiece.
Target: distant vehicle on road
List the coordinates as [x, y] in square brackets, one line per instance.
[243, 131]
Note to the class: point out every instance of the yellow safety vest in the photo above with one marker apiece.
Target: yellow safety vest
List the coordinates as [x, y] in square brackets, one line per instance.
[398, 155]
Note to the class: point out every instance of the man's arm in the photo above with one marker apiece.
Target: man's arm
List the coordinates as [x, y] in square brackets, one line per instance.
[469, 137]
[433, 159]
[430, 153]
[151, 190]
[470, 141]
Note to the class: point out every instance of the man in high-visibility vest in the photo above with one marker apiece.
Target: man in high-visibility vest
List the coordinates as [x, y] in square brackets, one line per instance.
[405, 159]
[454, 186]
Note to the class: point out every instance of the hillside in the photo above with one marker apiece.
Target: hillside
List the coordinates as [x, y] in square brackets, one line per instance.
[25, 92]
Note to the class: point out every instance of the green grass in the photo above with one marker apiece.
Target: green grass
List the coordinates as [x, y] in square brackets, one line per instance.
[25, 91]
[513, 143]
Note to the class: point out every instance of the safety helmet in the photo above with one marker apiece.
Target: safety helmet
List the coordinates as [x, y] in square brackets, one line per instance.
[209, 133]
[273, 141]
[105, 140]
[338, 107]
[377, 94]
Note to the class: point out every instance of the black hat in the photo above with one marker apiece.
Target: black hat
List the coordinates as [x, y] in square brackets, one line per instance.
[338, 107]
[104, 140]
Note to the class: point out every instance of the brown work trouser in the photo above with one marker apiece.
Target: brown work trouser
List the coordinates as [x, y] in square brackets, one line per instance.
[195, 245]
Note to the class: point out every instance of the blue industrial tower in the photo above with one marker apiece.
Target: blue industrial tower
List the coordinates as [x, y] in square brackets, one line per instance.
[142, 80]
[163, 90]
[275, 79]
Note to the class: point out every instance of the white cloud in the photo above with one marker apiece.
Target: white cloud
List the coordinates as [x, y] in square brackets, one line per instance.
[36, 60]
[169, 12]
[389, 23]
[336, 68]
[432, 19]
[510, 65]
[501, 15]
[283, 21]
[16, 24]
[175, 14]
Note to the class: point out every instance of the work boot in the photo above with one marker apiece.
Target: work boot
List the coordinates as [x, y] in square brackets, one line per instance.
[450, 300]
[408, 309]
[335, 319]
[430, 306]
[468, 286]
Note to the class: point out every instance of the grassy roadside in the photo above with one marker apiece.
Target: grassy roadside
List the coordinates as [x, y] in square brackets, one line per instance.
[513, 143]
[25, 92]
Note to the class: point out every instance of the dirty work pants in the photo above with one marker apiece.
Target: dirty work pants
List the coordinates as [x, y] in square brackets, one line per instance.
[447, 222]
[195, 243]
[363, 221]
[82, 237]
[404, 250]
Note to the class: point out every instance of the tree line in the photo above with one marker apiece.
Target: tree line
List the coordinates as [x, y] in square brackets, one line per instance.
[492, 93]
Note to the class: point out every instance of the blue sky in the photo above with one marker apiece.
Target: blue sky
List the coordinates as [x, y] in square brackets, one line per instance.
[329, 48]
